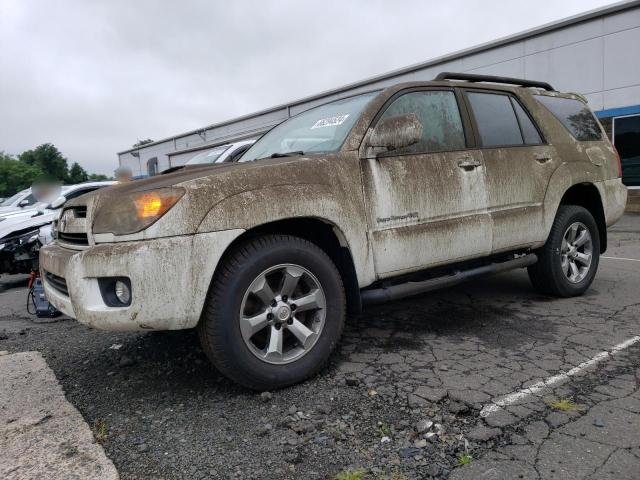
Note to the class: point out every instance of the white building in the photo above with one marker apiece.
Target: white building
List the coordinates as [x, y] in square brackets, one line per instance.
[596, 54]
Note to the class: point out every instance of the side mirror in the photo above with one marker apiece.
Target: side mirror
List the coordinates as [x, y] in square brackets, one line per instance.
[23, 203]
[58, 202]
[396, 132]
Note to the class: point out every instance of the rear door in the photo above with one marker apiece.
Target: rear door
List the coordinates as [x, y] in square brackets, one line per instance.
[426, 203]
[518, 166]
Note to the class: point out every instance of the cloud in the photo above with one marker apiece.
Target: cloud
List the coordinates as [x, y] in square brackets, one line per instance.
[94, 77]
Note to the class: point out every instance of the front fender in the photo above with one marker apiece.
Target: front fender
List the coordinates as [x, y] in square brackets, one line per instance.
[271, 203]
[255, 207]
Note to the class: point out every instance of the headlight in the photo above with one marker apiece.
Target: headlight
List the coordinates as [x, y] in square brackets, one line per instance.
[134, 212]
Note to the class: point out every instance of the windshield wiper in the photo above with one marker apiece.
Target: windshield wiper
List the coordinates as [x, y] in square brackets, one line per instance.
[287, 154]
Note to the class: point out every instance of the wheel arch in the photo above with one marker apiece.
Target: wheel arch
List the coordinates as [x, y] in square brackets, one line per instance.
[588, 196]
[326, 235]
[576, 183]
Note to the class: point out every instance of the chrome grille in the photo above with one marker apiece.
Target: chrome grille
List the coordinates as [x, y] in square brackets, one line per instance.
[71, 227]
[73, 238]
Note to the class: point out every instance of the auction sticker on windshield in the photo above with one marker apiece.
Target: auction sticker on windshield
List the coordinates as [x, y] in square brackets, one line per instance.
[331, 121]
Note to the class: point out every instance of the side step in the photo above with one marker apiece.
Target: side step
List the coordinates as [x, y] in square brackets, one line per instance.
[393, 292]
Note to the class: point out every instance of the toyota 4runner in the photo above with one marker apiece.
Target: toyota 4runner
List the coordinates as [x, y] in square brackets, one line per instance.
[365, 199]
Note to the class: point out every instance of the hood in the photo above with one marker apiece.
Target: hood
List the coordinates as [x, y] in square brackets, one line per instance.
[185, 175]
[210, 186]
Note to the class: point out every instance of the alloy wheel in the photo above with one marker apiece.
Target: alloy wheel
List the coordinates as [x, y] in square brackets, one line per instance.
[576, 252]
[282, 313]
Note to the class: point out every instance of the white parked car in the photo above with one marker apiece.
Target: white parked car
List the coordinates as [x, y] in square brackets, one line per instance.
[227, 153]
[24, 230]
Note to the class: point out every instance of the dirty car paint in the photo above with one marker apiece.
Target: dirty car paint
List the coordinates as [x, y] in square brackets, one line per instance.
[395, 215]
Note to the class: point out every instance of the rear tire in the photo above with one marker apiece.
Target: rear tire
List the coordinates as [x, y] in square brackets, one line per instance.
[274, 312]
[568, 262]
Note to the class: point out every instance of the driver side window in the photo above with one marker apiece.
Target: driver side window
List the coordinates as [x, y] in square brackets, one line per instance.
[441, 123]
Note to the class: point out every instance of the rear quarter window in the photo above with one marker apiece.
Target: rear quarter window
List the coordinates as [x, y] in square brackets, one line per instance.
[574, 115]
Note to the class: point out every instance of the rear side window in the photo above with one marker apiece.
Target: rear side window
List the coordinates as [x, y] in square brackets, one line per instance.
[574, 115]
[496, 119]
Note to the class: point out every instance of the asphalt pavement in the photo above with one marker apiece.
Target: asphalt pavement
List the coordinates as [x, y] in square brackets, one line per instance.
[486, 379]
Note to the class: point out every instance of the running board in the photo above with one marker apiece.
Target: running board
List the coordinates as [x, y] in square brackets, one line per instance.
[393, 292]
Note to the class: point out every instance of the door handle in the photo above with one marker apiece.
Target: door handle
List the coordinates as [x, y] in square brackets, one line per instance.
[542, 158]
[468, 163]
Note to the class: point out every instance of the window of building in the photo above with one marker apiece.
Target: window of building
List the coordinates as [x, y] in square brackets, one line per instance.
[441, 122]
[152, 166]
[496, 119]
[626, 138]
[574, 115]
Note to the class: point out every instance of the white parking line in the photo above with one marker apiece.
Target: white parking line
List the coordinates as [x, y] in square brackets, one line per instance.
[561, 377]
[622, 258]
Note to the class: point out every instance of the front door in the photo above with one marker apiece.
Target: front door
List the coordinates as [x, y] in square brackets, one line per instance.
[426, 203]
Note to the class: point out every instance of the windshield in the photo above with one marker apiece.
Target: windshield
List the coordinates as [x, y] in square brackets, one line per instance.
[9, 201]
[320, 129]
[210, 156]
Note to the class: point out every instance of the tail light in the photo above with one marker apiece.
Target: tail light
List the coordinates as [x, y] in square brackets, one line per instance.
[619, 162]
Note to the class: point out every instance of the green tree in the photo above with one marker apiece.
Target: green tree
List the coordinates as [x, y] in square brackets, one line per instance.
[139, 143]
[15, 175]
[49, 160]
[77, 174]
[98, 177]
[44, 162]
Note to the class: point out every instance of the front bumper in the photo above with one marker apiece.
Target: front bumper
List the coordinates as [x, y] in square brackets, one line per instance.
[169, 277]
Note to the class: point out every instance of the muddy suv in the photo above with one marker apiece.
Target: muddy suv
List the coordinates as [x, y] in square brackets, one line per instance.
[365, 199]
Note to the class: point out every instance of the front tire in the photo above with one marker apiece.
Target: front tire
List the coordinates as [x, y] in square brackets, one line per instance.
[568, 262]
[274, 312]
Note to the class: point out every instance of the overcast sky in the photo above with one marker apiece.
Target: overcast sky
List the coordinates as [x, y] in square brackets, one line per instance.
[93, 77]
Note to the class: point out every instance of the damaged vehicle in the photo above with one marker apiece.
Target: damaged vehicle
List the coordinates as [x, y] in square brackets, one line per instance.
[366, 199]
[23, 232]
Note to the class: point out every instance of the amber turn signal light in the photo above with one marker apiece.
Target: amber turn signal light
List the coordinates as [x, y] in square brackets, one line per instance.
[154, 204]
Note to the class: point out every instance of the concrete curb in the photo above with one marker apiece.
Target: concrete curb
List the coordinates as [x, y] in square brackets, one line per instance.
[41, 434]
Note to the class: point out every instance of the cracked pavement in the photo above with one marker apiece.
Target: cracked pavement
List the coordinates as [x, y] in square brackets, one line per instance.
[401, 396]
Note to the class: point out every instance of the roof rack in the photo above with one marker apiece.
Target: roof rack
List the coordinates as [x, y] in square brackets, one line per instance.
[472, 77]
